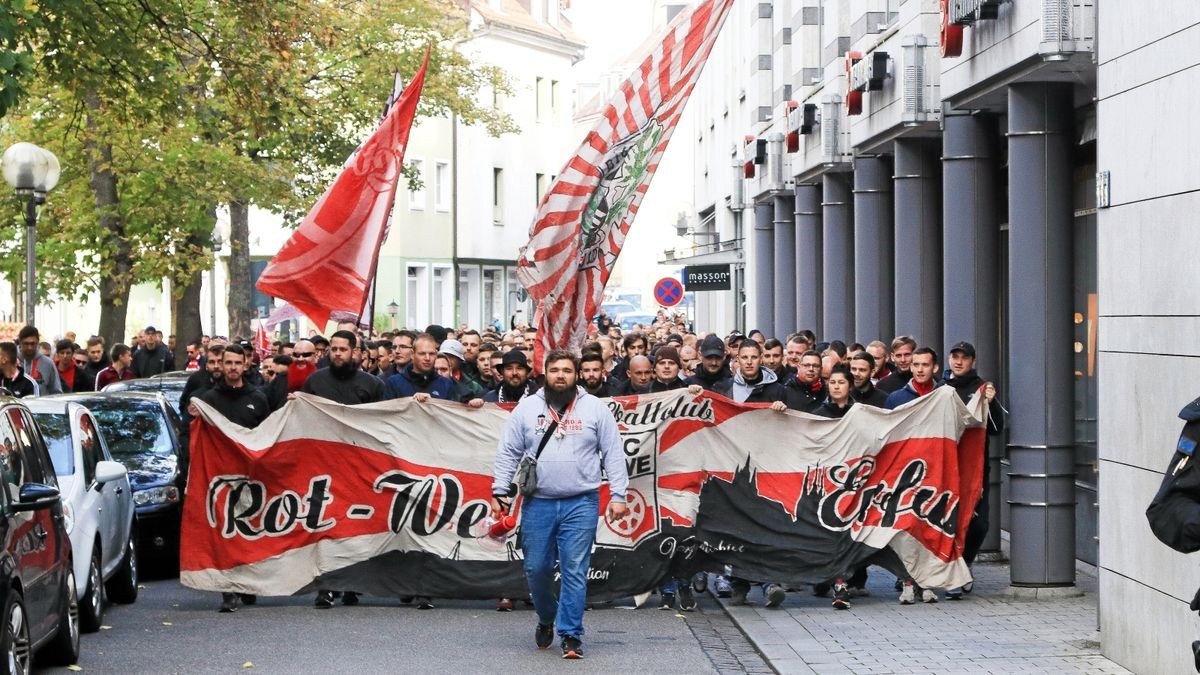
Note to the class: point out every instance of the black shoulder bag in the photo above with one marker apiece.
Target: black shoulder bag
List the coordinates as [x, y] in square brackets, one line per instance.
[525, 479]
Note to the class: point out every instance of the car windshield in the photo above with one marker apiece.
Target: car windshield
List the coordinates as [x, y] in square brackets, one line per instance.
[56, 429]
[132, 427]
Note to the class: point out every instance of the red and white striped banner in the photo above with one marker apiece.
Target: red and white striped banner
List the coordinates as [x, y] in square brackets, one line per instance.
[586, 214]
[384, 498]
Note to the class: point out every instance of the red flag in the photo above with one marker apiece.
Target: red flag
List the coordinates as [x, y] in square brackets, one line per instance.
[325, 268]
[262, 342]
[582, 222]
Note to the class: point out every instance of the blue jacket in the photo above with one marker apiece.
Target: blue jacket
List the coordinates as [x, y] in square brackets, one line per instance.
[569, 465]
[906, 394]
[406, 383]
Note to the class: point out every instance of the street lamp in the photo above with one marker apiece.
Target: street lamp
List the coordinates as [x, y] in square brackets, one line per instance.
[393, 310]
[32, 171]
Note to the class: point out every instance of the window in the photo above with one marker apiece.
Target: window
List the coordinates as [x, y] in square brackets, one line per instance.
[554, 98]
[538, 102]
[441, 186]
[539, 188]
[443, 296]
[498, 196]
[416, 198]
[56, 429]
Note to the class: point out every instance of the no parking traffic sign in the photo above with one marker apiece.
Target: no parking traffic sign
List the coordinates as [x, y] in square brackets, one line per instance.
[668, 292]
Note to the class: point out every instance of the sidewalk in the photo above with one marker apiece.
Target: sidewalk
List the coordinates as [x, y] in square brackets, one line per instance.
[986, 632]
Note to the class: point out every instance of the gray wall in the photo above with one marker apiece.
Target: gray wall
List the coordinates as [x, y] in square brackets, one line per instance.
[1149, 89]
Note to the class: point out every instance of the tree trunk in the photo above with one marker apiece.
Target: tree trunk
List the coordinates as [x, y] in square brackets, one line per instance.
[185, 299]
[241, 309]
[116, 257]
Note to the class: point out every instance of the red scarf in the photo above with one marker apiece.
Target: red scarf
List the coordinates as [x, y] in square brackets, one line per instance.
[922, 389]
[297, 374]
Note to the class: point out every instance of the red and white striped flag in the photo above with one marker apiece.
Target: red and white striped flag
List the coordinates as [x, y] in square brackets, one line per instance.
[327, 265]
[585, 216]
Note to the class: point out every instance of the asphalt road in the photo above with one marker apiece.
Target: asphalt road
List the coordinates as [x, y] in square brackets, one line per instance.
[172, 629]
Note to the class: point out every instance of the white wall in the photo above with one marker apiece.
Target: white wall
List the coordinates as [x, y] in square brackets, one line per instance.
[1149, 86]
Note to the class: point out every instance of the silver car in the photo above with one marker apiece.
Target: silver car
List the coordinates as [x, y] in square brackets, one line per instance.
[97, 504]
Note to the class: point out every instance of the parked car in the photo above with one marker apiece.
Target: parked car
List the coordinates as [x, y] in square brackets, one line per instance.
[37, 580]
[142, 432]
[612, 309]
[170, 385]
[98, 504]
[628, 320]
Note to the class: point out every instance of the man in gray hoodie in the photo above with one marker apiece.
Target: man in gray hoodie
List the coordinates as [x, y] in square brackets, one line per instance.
[37, 365]
[562, 514]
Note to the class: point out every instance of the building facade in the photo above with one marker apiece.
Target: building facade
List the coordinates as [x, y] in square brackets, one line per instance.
[970, 170]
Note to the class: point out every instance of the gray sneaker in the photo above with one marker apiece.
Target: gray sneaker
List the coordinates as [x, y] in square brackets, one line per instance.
[775, 595]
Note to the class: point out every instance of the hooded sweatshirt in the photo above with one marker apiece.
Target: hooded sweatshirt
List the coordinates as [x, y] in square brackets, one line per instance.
[765, 389]
[570, 465]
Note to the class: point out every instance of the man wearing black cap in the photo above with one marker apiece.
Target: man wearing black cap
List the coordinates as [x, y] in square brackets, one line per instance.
[966, 382]
[515, 383]
[152, 357]
[713, 366]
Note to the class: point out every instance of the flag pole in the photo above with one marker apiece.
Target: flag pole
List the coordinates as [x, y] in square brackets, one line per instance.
[397, 89]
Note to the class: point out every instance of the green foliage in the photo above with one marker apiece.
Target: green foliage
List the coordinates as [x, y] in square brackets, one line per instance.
[202, 101]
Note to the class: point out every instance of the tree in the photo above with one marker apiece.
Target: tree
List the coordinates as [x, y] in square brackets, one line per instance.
[161, 111]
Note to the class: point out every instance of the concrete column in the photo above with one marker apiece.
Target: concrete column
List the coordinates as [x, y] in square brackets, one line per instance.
[970, 239]
[785, 267]
[1041, 427]
[874, 311]
[809, 253]
[838, 272]
[919, 259]
[763, 267]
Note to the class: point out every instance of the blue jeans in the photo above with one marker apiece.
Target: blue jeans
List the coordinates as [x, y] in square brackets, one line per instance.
[562, 529]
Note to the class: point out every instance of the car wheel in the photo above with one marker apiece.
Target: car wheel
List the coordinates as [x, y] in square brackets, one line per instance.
[91, 608]
[15, 639]
[123, 586]
[63, 650]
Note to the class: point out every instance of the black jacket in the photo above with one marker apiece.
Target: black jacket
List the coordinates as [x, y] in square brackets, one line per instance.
[869, 396]
[246, 406]
[894, 382]
[657, 386]
[803, 397]
[494, 396]
[708, 382]
[829, 409]
[966, 386]
[626, 388]
[349, 387]
[152, 362]
[21, 385]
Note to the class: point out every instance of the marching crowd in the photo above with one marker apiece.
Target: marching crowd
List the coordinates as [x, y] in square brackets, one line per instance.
[797, 372]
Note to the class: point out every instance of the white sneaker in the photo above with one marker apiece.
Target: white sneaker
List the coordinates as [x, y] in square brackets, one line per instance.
[928, 596]
[907, 596]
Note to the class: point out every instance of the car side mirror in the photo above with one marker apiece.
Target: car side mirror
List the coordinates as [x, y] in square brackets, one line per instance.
[35, 496]
[108, 471]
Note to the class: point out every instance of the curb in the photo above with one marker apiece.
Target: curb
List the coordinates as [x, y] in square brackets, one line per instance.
[733, 619]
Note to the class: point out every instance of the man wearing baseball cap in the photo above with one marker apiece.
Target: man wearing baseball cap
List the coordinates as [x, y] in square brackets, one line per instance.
[714, 365]
[966, 381]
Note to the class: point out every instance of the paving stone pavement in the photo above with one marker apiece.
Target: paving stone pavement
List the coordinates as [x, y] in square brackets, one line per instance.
[986, 632]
